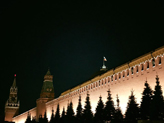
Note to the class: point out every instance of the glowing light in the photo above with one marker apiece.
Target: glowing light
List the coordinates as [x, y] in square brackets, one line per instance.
[15, 75]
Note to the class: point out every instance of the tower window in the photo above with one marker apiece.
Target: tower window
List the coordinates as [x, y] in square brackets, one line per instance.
[115, 77]
[108, 79]
[159, 60]
[105, 81]
[99, 83]
[102, 82]
[119, 75]
[112, 78]
[132, 70]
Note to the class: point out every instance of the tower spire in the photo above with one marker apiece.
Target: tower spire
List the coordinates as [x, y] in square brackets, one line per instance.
[48, 72]
[14, 82]
[12, 104]
[103, 67]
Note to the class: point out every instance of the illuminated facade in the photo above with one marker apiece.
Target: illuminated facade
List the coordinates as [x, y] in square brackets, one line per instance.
[120, 80]
[12, 104]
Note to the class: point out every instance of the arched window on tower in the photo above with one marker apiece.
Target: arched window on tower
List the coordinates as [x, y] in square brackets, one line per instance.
[99, 83]
[159, 60]
[102, 82]
[105, 81]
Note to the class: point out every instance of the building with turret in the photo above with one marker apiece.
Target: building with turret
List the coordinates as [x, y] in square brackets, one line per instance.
[46, 95]
[121, 81]
[12, 104]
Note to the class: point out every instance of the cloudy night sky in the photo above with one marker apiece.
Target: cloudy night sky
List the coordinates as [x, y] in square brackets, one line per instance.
[71, 39]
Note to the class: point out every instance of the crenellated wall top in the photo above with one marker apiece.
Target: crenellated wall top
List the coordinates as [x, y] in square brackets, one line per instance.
[121, 68]
[141, 59]
[25, 113]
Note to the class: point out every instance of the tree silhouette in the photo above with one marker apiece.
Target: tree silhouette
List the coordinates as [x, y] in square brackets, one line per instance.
[33, 120]
[109, 108]
[63, 117]
[145, 102]
[70, 113]
[52, 120]
[41, 119]
[45, 120]
[87, 113]
[118, 117]
[98, 118]
[79, 111]
[156, 112]
[132, 112]
[28, 120]
[57, 114]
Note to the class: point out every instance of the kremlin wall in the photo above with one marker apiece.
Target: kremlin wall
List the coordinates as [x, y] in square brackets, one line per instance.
[121, 80]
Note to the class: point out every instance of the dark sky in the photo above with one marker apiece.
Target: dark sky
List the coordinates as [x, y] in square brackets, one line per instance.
[71, 38]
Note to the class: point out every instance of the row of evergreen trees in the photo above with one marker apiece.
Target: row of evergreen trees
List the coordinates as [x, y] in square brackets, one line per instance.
[151, 108]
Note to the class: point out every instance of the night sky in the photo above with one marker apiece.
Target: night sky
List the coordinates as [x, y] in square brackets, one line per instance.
[71, 39]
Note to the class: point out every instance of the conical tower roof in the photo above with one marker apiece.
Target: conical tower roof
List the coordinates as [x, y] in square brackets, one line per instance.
[48, 72]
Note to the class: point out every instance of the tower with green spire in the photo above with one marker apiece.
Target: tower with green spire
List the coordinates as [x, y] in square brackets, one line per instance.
[47, 88]
[47, 94]
[12, 104]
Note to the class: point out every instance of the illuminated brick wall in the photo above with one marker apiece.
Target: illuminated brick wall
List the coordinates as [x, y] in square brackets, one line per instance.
[121, 81]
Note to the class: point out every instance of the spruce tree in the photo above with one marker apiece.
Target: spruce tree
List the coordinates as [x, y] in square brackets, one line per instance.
[52, 120]
[41, 120]
[109, 108]
[132, 112]
[33, 120]
[57, 115]
[98, 118]
[156, 111]
[28, 120]
[79, 111]
[145, 102]
[70, 113]
[45, 120]
[87, 113]
[63, 117]
[118, 117]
